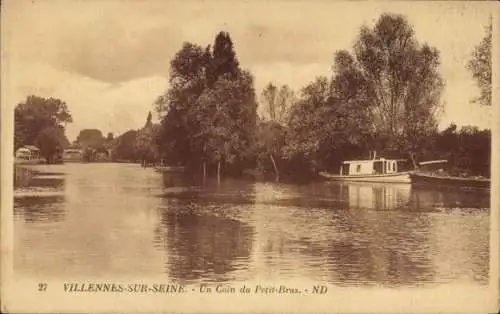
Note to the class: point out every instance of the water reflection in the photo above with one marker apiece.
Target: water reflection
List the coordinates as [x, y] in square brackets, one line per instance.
[122, 219]
[202, 246]
[384, 248]
[201, 229]
[376, 196]
[39, 197]
[430, 198]
[40, 209]
[378, 238]
[28, 179]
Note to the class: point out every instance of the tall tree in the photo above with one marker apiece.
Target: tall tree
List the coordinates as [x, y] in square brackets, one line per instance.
[209, 111]
[224, 61]
[149, 120]
[124, 149]
[227, 114]
[396, 79]
[146, 145]
[277, 102]
[90, 138]
[179, 128]
[52, 141]
[269, 143]
[36, 114]
[480, 66]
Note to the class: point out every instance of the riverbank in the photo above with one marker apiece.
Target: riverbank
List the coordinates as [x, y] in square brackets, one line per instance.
[37, 161]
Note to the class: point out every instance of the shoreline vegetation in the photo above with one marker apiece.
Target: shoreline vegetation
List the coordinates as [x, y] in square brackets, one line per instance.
[383, 96]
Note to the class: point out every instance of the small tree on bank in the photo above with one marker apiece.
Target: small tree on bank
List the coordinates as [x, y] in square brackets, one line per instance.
[276, 103]
[146, 148]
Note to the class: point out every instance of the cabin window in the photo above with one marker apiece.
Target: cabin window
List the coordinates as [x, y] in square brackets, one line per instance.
[394, 167]
[358, 168]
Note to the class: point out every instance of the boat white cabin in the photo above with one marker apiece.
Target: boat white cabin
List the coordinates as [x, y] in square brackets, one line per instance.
[371, 170]
[371, 166]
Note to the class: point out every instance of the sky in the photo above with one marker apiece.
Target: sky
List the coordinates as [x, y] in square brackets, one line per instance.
[109, 60]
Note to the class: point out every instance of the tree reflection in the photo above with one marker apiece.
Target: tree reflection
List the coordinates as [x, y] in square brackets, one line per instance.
[52, 183]
[40, 209]
[383, 248]
[353, 234]
[432, 198]
[201, 245]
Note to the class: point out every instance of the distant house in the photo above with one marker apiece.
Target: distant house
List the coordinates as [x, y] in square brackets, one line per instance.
[72, 154]
[28, 152]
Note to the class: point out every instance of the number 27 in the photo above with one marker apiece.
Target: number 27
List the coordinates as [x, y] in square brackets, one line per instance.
[42, 287]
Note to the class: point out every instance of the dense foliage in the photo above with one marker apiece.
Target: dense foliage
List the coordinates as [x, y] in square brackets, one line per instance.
[276, 103]
[209, 111]
[383, 95]
[90, 138]
[40, 121]
[397, 80]
[480, 66]
[124, 148]
[468, 150]
[146, 142]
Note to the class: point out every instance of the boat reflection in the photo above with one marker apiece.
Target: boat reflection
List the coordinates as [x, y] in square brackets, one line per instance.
[378, 237]
[376, 196]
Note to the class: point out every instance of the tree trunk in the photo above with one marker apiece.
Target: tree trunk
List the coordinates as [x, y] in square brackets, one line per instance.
[204, 171]
[412, 157]
[276, 172]
[218, 172]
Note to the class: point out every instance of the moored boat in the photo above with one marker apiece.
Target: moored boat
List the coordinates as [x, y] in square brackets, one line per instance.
[372, 170]
[419, 178]
[432, 173]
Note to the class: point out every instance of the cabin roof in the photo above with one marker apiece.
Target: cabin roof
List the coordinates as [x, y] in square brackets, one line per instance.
[433, 162]
[31, 147]
[369, 161]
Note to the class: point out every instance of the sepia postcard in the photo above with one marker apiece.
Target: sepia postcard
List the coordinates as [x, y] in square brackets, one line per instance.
[250, 156]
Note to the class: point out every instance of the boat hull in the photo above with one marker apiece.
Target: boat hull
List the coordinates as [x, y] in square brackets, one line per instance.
[423, 179]
[164, 169]
[398, 177]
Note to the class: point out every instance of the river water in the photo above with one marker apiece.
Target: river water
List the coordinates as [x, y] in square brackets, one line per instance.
[95, 220]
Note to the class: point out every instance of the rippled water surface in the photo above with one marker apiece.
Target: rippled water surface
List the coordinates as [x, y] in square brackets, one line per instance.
[92, 220]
